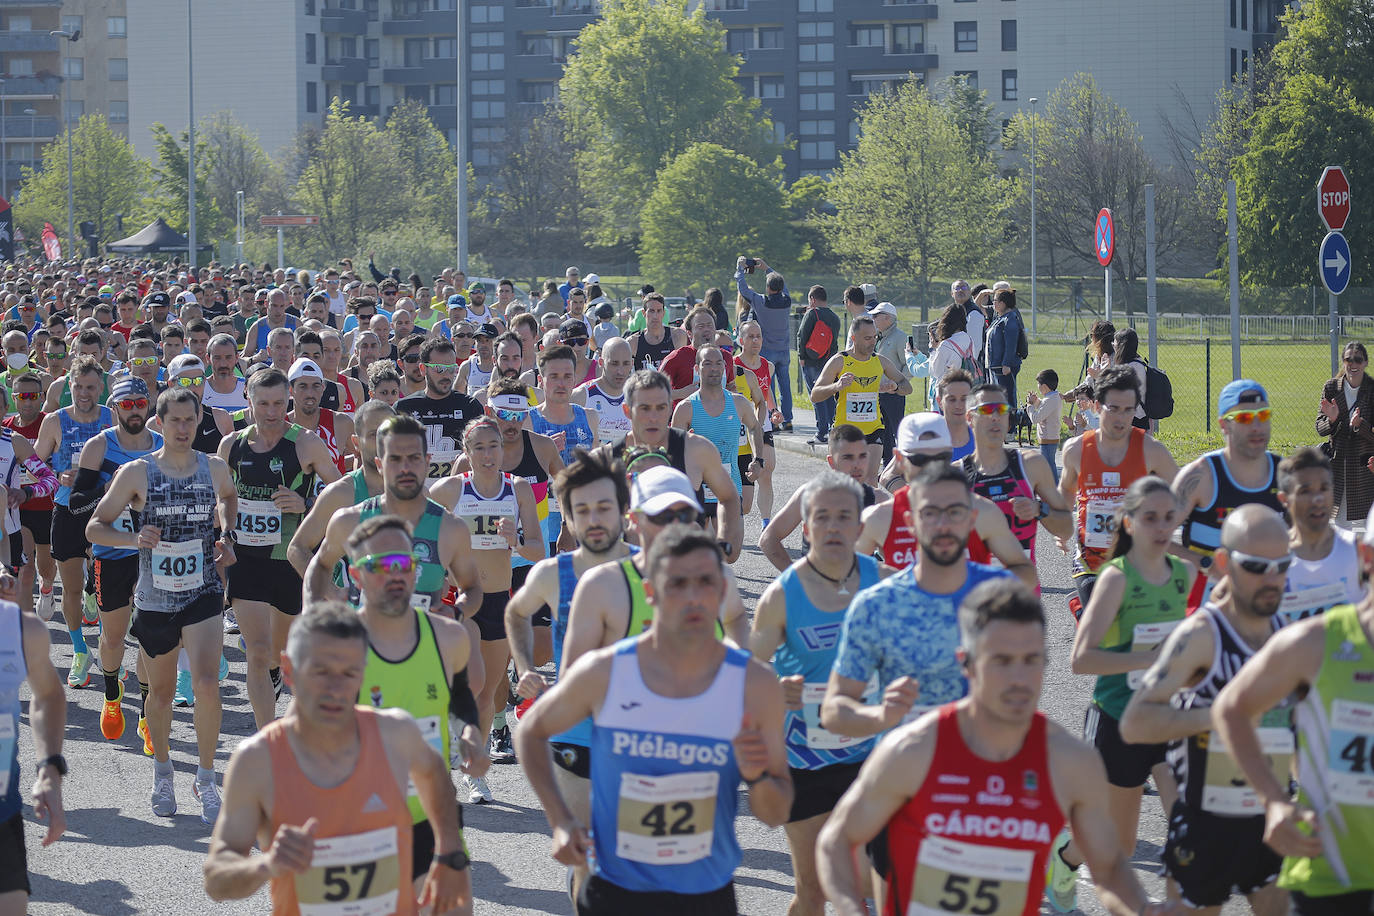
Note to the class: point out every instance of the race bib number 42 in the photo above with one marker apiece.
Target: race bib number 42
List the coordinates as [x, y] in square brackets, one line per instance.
[955, 877]
[666, 820]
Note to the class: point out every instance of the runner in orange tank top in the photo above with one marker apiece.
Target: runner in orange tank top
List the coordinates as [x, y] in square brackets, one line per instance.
[960, 807]
[322, 792]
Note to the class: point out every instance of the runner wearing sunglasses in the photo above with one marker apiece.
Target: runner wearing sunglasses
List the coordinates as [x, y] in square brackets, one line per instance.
[183, 500]
[923, 439]
[1326, 560]
[187, 371]
[570, 426]
[1240, 472]
[443, 410]
[411, 364]
[1215, 845]
[498, 507]
[89, 342]
[35, 513]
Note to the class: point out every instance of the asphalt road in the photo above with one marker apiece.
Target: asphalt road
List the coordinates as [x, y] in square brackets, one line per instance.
[117, 858]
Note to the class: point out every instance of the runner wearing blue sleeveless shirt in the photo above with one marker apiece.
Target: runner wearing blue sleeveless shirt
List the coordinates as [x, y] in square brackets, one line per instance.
[679, 720]
[719, 415]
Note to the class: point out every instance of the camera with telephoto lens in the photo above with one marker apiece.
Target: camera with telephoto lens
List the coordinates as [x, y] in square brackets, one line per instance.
[750, 264]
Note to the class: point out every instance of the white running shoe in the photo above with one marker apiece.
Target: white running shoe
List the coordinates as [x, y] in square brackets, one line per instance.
[208, 795]
[478, 791]
[164, 795]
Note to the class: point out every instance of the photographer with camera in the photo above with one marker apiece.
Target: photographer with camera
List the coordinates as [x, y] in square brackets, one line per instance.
[771, 311]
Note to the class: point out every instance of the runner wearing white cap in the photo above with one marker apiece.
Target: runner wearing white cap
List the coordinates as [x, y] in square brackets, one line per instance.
[336, 429]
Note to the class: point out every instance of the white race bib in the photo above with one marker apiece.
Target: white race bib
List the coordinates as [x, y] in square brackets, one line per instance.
[1309, 602]
[259, 523]
[817, 738]
[666, 820]
[861, 406]
[955, 877]
[178, 567]
[1146, 637]
[441, 463]
[1350, 760]
[354, 875]
[1099, 525]
[482, 517]
[1225, 790]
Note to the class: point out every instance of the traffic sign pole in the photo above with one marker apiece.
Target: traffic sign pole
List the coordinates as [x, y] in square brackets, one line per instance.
[1104, 243]
[1333, 317]
[1107, 292]
[281, 246]
[1334, 261]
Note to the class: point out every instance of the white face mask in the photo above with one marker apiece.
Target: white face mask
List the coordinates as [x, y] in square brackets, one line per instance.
[17, 360]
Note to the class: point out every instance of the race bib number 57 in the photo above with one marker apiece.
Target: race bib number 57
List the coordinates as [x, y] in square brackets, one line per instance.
[354, 875]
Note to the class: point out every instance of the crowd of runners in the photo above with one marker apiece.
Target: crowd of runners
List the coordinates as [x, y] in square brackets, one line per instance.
[460, 530]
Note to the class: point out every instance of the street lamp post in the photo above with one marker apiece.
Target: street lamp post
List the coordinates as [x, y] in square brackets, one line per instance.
[4, 148]
[67, 120]
[460, 137]
[190, 146]
[1034, 272]
[33, 137]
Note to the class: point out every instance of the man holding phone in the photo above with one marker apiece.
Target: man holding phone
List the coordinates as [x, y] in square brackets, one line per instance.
[892, 344]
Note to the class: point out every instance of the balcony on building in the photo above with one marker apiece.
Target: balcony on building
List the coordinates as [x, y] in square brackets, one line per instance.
[576, 8]
[915, 57]
[344, 70]
[725, 6]
[42, 85]
[31, 42]
[424, 22]
[337, 21]
[426, 70]
[24, 127]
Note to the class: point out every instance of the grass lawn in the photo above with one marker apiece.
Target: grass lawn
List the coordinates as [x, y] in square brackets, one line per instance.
[1292, 373]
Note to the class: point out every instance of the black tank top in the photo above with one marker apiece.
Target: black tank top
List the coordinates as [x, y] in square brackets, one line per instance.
[208, 435]
[1202, 530]
[330, 399]
[651, 355]
[529, 466]
[257, 475]
[354, 373]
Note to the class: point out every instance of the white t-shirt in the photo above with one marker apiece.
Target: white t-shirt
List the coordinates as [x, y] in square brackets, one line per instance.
[1314, 586]
[1350, 395]
[338, 303]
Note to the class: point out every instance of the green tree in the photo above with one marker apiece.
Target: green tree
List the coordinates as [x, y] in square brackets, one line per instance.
[108, 179]
[1089, 155]
[535, 200]
[169, 199]
[709, 206]
[1332, 39]
[910, 198]
[352, 177]
[648, 80]
[971, 111]
[427, 162]
[235, 161]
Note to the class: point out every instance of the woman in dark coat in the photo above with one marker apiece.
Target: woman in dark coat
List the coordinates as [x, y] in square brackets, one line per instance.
[1345, 412]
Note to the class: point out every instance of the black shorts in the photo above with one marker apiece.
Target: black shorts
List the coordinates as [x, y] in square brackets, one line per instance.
[159, 632]
[600, 897]
[574, 758]
[1128, 765]
[768, 437]
[743, 461]
[491, 616]
[818, 791]
[421, 848]
[39, 522]
[16, 560]
[68, 535]
[273, 582]
[114, 581]
[14, 857]
[1355, 903]
[876, 437]
[542, 617]
[1213, 857]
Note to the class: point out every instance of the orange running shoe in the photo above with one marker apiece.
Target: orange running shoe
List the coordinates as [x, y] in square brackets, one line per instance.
[147, 739]
[112, 717]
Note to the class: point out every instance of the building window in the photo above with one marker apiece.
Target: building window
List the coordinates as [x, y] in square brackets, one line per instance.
[117, 27]
[490, 13]
[812, 78]
[1235, 71]
[818, 149]
[445, 93]
[414, 49]
[445, 48]
[70, 24]
[816, 30]
[488, 39]
[494, 134]
[819, 52]
[20, 66]
[119, 69]
[817, 128]
[488, 62]
[536, 90]
[866, 36]
[1244, 22]
[779, 132]
[373, 8]
[770, 87]
[74, 68]
[815, 6]
[372, 49]
[489, 110]
[309, 48]
[418, 93]
[854, 132]
[17, 23]
[1233, 14]
[1009, 85]
[445, 5]
[119, 111]
[770, 38]
[348, 47]
[1244, 62]
[75, 109]
[818, 101]
[965, 36]
[970, 77]
[738, 41]
[481, 156]
[311, 100]
[488, 87]
[1008, 34]
[908, 39]
[310, 11]
[373, 96]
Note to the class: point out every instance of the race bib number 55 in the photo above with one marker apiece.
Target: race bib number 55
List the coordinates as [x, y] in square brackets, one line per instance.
[955, 877]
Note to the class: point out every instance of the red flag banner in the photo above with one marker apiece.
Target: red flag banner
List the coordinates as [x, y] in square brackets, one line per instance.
[51, 246]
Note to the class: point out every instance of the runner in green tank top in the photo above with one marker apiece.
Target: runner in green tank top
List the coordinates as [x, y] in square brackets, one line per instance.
[1327, 834]
[1141, 595]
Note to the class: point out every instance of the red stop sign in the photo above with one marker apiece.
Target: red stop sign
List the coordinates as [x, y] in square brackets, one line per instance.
[1333, 198]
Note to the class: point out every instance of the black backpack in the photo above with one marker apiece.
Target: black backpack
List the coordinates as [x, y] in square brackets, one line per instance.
[1159, 393]
[1022, 345]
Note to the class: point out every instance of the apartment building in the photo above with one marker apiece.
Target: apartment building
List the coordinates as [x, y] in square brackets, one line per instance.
[96, 65]
[30, 91]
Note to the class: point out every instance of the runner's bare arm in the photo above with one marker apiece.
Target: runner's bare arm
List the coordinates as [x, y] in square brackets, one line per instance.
[231, 871]
[701, 452]
[1060, 520]
[733, 615]
[1183, 660]
[1068, 474]
[682, 416]
[227, 498]
[310, 532]
[877, 518]
[1105, 604]
[827, 386]
[751, 421]
[48, 721]
[533, 547]
[523, 605]
[315, 458]
[460, 562]
[784, 522]
[1160, 461]
[992, 527]
[1193, 486]
[759, 748]
[52, 402]
[770, 622]
[602, 588]
[845, 713]
[889, 777]
[895, 375]
[125, 490]
[49, 434]
[319, 572]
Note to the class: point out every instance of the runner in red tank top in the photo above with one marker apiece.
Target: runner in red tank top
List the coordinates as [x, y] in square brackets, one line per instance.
[960, 807]
[922, 438]
[35, 515]
[336, 429]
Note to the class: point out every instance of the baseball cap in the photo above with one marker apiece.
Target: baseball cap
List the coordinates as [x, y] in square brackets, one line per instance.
[130, 386]
[457, 300]
[186, 362]
[159, 298]
[187, 298]
[884, 308]
[590, 279]
[1241, 391]
[303, 367]
[658, 488]
[870, 292]
[463, 327]
[488, 330]
[572, 327]
[508, 402]
[477, 286]
[922, 431]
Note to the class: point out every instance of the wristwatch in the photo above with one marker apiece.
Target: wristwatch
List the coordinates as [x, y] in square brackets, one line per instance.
[1044, 509]
[456, 860]
[58, 762]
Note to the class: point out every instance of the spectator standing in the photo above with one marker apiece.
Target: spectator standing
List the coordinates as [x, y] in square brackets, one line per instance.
[1047, 412]
[1346, 406]
[571, 283]
[772, 311]
[550, 303]
[715, 301]
[1003, 361]
[973, 315]
[891, 344]
[953, 347]
[813, 356]
[1126, 352]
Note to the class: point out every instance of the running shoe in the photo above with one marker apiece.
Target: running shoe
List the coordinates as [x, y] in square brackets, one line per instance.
[223, 668]
[502, 749]
[90, 611]
[513, 694]
[164, 795]
[1061, 881]
[522, 708]
[231, 623]
[278, 683]
[147, 738]
[46, 603]
[207, 793]
[478, 791]
[80, 673]
[112, 717]
[186, 694]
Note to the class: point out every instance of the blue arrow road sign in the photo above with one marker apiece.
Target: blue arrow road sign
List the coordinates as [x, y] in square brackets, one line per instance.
[1333, 262]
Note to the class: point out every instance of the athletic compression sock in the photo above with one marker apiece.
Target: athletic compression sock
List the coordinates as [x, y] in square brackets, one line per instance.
[499, 721]
[78, 641]
[111, 684]
[143, 698]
